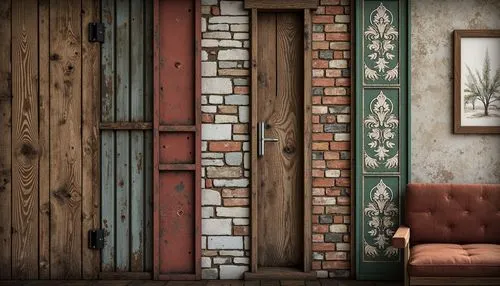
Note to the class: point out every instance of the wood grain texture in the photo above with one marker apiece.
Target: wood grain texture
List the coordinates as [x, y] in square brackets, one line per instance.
[90, 136]
[253, 154]
[107, 151]
[65, 139]
[122, 99]
[137, 58]
[281, 4]
[281, 168]
[44, 136]
[307, 139]
[156, 138]
[5, 140]
[25, 149]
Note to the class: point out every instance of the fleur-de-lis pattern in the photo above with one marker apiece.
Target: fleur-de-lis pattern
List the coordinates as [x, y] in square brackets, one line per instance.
[382, 213]
[382, 126]
[381, 41]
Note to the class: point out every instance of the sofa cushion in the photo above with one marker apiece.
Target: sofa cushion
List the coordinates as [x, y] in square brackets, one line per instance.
[453, 213]
[442, 260]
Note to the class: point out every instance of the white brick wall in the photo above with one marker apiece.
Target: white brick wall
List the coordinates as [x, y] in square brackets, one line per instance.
[225, 146]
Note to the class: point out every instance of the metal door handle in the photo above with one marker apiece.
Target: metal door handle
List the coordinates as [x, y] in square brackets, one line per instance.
[263, 139]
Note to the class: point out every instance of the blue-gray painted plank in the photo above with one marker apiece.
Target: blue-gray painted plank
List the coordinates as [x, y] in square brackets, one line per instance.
[108, 138]
[122, 137]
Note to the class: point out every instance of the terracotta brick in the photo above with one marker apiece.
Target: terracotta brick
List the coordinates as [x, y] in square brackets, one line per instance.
[207, 118]
[336, 265]
[315, 54]
[320, 164]
[235, 193]
[331, 155]
[316, 100]
[333, 73]
[318, 191]
[320, 64]
[320, 146]
[208, 183]
[320, 228]
[323, 182]
[215, 10]
[343, 182]
[318, 237]
[323, 82]
[330, 2]
[318, 209]
[319, 19]
[241, 230]
[343, 82]
[318, 173]
[337, 100]
[338, 55]
[320, 45]
[334, 10]
[224, 146]
[345, 174]
[240, 128]
[336, 255]
[316, 265]
[340, 146]
[315, 118]
[335, 91]
[318, 36]
[227, 109]
[241, 89]
[322, 137]
[338, 219]
[235, 202]
[333, 192]
[343, 201]
[317, 128]
[323, 246]
[337, 36]
[338, 164]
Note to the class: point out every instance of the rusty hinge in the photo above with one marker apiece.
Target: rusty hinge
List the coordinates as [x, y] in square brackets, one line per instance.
[96, 32]
[96, 238]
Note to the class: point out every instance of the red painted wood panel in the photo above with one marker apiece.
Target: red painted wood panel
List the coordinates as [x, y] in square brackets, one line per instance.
[177, 140]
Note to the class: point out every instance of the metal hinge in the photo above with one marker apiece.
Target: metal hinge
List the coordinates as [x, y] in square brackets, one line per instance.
[96, 32]
[96, 238]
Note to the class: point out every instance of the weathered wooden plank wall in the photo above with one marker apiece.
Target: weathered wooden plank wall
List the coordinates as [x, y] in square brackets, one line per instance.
[177, 140]
[126, 158]
[48, 88]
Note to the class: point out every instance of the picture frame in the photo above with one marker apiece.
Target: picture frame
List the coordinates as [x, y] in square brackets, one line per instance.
[476, 96]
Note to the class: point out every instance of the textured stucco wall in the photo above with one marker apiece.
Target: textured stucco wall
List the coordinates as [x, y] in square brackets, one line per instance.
[439, 155]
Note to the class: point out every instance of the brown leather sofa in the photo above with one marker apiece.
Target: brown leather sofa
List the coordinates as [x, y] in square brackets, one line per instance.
[451, 234]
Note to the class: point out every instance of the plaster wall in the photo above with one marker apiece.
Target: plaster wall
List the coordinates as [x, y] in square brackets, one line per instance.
[437, 154]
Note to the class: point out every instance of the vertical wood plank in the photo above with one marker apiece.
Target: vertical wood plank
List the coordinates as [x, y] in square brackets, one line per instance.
[44, 134]
[122, 137]
[156, 139]
[137, 137]
[5, 141]
[148, 139]
[254, 165]
[25, 149]
[307, 139]
[108, 137]
[65, 139]
[90, 143]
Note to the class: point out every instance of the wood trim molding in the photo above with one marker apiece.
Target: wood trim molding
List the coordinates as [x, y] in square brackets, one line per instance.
[281, 4]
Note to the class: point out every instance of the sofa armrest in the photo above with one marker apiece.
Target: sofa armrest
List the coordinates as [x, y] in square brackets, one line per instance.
[401, 238]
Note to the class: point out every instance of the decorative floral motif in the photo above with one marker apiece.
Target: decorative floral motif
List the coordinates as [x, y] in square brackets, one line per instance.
[383, 214]
[380, 35]
[382, 123]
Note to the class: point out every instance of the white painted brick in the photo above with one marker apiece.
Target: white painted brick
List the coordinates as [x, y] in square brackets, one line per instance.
[224, 172]
[231, 183]
[216, 86]
[342, 137]
[216, 132]
[217, 35]
[231, 253]
[243, 114]
[343, 247]
[232, 8]
[210, 197]
[209, 273]
[204, 56]
[216, 226]
[209, 68]
[237, 99]
[338, 64]
[241, 260]
[203, 242]
[343, 118]
[228, 65]
[241, 36]
[233, 54]
[240, 28]
[209, 43]
[246, 44]
[232, 271]
[332, 173]
[218, 27]
[246, 242]
[216, 99]
[212, 162]
[232, 212]
[206, 262]
[225, 242]
[203, 25]
[338, 228]
[209, 109]
[246, 146]
[229, 20]
[226, 118]
[230, 44]
[204, 146]
[241, 138]
[233, 158]
[241, 221]
[321, 273]
[222, 260]
[204, 99]
[207, 212]
[208, 2]
[210, 155]
[246, 163]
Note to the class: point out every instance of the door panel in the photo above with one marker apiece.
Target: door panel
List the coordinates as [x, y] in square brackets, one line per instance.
[280, 106]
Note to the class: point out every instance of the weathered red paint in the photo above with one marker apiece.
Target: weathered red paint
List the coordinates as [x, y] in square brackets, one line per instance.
[177, 140]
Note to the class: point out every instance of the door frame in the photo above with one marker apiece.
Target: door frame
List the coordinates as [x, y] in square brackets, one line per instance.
[307, 136]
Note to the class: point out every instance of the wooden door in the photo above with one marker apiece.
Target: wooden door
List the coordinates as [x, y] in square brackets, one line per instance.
[49, 83]
[281, 168]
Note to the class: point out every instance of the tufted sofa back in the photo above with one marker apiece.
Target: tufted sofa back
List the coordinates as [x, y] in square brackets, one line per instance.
[453, 213]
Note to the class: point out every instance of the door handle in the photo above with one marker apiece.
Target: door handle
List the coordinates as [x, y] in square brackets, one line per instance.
[262, 138]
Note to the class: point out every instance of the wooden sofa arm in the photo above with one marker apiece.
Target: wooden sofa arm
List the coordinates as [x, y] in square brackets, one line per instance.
[401, 238]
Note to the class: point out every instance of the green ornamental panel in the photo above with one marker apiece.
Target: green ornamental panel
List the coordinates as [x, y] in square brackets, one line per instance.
[382, 116]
